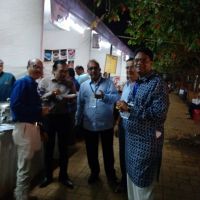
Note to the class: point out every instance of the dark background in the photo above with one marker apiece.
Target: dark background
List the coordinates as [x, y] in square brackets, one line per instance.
[119, 27]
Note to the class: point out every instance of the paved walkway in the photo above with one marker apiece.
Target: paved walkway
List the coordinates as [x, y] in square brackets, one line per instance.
[180, 173]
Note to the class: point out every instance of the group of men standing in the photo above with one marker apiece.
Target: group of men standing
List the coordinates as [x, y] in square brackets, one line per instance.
[143, 107]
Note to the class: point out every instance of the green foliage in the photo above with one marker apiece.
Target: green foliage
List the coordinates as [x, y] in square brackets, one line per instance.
[170, 27]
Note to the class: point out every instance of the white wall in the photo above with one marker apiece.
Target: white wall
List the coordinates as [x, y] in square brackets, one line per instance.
[55, 38]
[22, 38]
[100, 56]
[21, 24]
[59, 39]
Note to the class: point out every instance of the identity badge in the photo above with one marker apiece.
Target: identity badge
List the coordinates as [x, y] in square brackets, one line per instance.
[92, 102]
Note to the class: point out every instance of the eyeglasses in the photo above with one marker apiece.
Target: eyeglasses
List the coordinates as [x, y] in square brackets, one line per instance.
[93, 68]
[38, 67]
[130, 67]
[142, 60]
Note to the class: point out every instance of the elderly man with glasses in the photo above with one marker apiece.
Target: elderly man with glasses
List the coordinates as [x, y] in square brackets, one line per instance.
[26, 110]
[95, 112]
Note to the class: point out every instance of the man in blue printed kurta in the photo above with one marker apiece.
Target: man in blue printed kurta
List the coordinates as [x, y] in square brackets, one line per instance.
[145, 128]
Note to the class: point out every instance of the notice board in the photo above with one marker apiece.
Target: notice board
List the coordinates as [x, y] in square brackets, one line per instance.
[111, 64]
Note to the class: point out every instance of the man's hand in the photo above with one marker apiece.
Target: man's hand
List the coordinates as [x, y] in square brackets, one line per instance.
[56, 92]
[122, 106]
[99, 95]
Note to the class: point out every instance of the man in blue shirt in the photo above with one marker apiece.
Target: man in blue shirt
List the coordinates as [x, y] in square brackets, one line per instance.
[6, 83]
[81, 75]
[130, 85]
[144, 128]
[26, 112]
[95, 111]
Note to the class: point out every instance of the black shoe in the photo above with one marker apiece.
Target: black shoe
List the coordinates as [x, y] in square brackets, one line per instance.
[46, 182]
[67, 182]
[93, 178]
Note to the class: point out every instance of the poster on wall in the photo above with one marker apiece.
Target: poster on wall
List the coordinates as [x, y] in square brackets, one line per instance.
[56, 55]
[111, 64]
[47, 55]
[71, 54]
[63, 54]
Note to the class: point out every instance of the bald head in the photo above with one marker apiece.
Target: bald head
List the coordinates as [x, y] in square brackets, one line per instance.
[34, 61]
[35, 68]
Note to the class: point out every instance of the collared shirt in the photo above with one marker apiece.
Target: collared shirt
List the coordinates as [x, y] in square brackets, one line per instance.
[25, 101]
[82, 78]
[128, 87]
[126, 90]
[7, 81]
[96, 114]
[58, 103]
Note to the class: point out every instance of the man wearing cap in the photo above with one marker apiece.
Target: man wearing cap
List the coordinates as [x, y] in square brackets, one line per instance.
[6, 83]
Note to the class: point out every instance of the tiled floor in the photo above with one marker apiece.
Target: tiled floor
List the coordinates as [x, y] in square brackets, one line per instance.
[180, 173]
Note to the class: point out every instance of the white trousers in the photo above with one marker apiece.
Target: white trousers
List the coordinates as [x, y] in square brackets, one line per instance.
[26, 136]
[137, 193]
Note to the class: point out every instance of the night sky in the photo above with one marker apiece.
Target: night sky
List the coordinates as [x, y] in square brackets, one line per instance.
[118, 28]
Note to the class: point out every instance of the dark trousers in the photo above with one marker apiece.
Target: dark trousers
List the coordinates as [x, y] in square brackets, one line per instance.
[121, 133]
[56, 125]
[92, 141]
